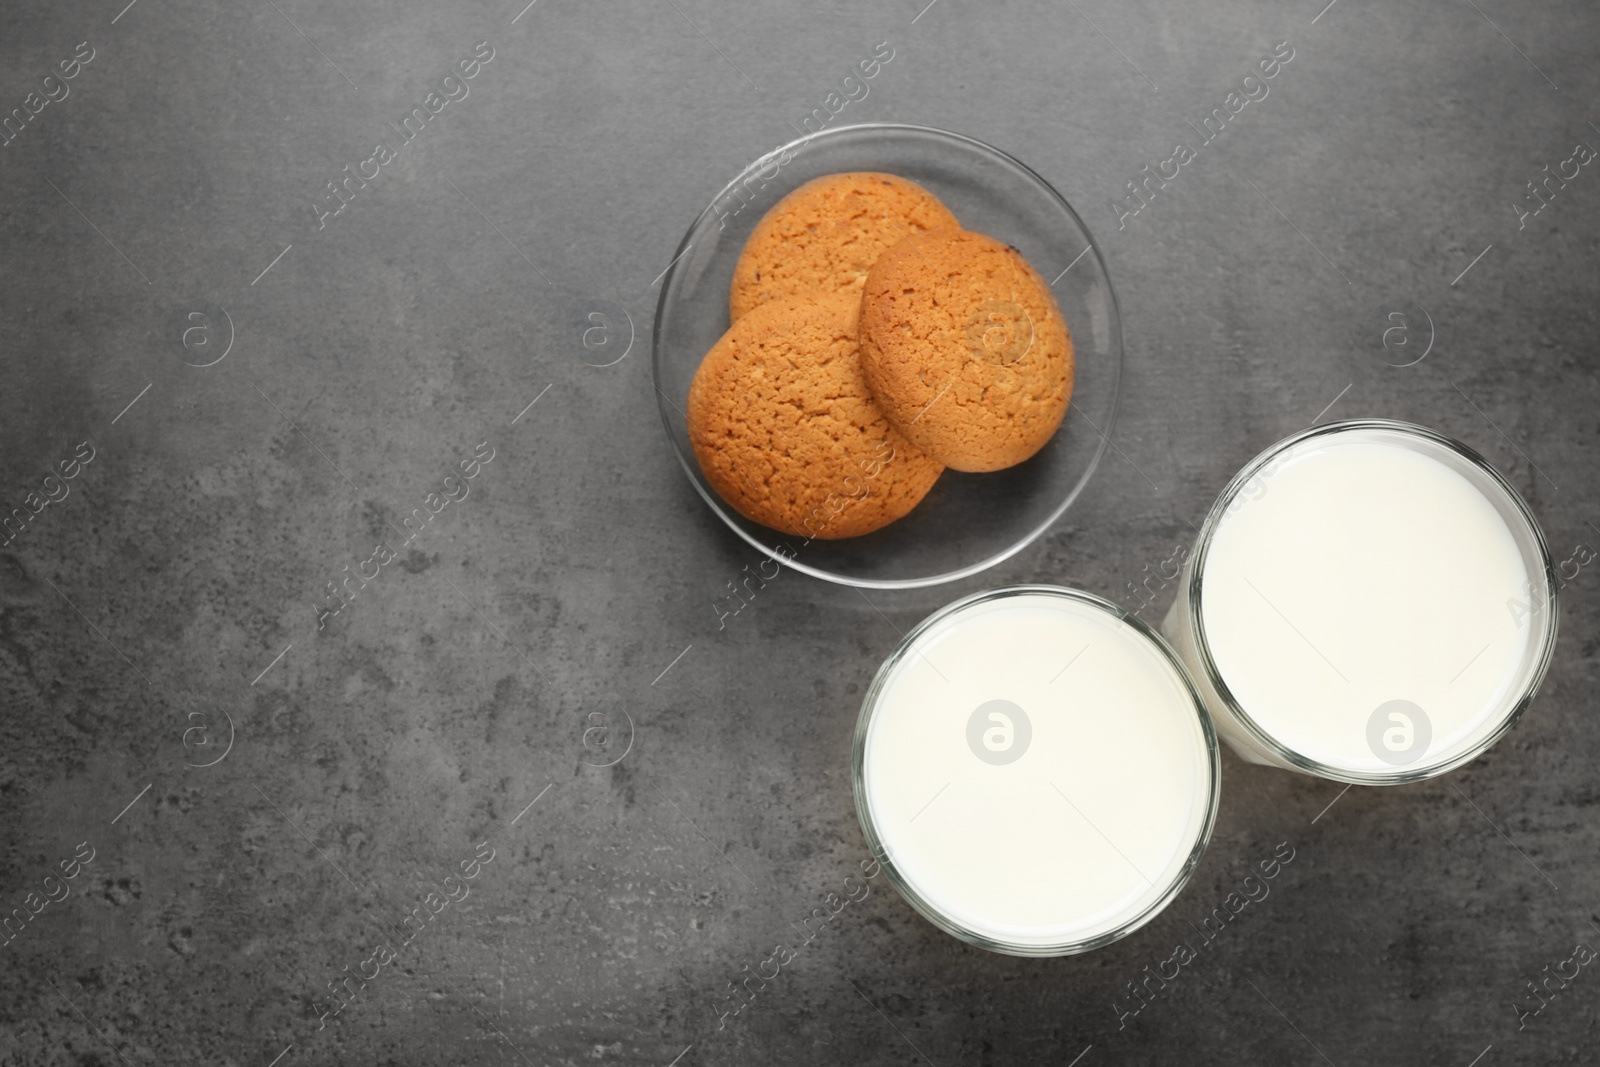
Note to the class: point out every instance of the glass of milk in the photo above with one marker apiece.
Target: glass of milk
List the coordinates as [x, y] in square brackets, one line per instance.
[1036, 771]
[1368, 601]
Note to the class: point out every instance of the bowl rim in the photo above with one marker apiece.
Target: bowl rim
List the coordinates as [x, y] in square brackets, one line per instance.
[666, 406]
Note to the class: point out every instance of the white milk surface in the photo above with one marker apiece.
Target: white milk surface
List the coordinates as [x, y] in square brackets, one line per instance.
[1364, 572]
[1083, 831]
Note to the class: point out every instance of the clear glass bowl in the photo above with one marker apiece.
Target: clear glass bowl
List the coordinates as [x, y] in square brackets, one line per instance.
[968, 522]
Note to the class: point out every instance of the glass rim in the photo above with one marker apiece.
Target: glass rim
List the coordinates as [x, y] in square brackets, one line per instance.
[1262, 737]
[1152, 908]
[663, 402]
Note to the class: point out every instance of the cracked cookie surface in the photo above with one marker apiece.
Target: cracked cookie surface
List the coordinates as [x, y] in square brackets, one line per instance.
[824, 236]
[786, 430]
[965, 349]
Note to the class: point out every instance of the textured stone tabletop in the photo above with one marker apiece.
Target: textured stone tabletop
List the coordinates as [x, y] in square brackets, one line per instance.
[538, 725]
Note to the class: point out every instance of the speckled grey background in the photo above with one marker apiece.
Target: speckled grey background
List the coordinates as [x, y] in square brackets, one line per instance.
[175, 588]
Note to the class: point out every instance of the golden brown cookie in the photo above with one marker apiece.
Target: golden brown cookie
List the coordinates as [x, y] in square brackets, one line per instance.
[965, 349]
[786, 431]
[824, 237]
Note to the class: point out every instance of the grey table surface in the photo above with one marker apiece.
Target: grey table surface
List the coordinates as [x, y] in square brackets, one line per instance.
[565, 614]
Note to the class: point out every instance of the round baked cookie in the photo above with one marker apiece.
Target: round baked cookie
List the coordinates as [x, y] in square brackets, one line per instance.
[824, 237]
[965, 349]
[786, 431]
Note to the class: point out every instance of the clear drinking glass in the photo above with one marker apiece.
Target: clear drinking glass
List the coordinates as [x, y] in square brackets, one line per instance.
[1035, 771]
[1405, 743]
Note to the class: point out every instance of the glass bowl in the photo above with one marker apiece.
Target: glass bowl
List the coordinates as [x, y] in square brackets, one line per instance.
[968, 522]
